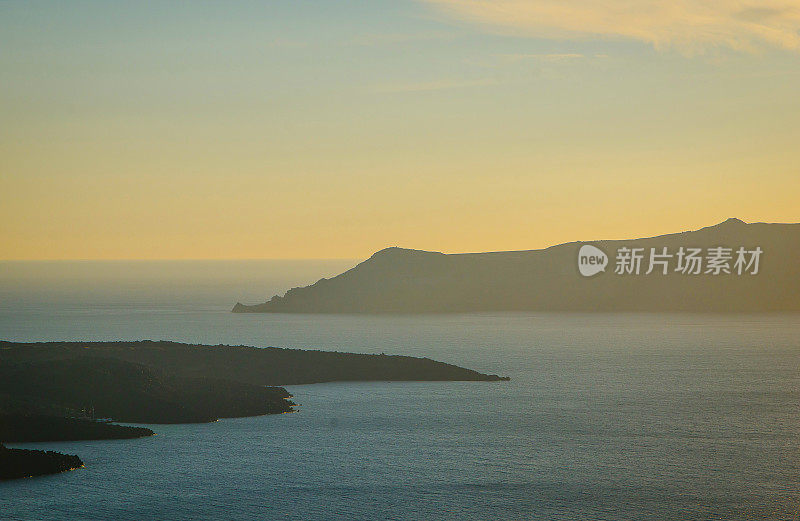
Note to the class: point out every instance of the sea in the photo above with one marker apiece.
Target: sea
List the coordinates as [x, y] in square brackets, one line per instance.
[606, 416]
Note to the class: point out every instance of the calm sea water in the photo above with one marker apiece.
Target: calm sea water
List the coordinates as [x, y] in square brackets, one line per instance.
[613, 417]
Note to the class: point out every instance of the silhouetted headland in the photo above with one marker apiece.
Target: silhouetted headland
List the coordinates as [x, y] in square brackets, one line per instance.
[54, 391]
[23, 463]
[169, 382]
[26, 427]
[398, 280]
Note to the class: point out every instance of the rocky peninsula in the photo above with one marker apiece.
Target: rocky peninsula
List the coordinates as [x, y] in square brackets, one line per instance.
[57, 391]
[23, 463]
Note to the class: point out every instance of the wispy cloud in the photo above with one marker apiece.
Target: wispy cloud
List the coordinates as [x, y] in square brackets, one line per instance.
[435, 85]
[690, 26]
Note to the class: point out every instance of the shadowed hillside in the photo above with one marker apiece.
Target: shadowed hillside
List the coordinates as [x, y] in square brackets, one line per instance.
[168, 382]
[397, 280]
[189, 365]
[22, 463]
[26, 427]
[52, 391]
[132, 392]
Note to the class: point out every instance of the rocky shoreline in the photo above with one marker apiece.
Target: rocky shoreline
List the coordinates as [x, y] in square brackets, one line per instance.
[54, 391]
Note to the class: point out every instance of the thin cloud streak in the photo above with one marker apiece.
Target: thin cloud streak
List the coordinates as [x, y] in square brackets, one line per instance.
[690, 26]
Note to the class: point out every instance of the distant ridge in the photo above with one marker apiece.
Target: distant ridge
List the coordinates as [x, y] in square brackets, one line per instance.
[399, 280]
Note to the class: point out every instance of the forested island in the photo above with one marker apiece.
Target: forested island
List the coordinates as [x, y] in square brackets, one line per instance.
[59, 391]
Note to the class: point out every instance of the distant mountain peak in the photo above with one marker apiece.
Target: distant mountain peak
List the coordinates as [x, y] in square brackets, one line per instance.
[728, 225]
[389, 250]
[396, 251]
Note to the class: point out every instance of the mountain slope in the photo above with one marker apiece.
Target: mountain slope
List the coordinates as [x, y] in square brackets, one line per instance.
[397, 280]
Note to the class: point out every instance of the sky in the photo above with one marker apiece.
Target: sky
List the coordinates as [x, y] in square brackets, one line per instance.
[332, 129]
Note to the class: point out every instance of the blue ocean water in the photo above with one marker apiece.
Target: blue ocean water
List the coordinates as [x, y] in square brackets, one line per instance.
[612, 417]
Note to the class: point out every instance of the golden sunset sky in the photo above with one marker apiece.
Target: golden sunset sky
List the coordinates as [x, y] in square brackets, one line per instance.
[324, 129]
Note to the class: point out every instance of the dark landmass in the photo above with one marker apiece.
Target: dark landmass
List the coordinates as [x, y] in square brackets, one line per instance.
[23, 463]
[125, 391]
[19, 427]
[270, 366]
[53, 391]
[397, 280]
[168, 382]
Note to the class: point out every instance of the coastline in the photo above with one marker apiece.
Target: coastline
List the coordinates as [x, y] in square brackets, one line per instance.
[54, 391]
